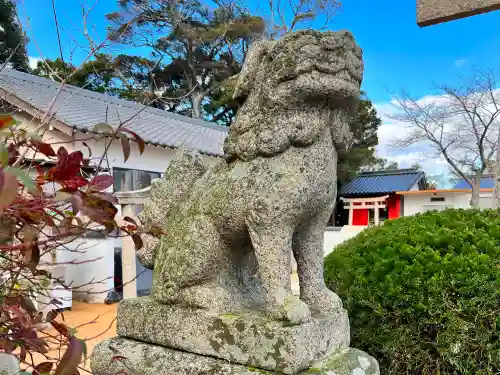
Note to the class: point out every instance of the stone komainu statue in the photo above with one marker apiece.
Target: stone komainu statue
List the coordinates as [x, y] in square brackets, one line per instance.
[230, 229]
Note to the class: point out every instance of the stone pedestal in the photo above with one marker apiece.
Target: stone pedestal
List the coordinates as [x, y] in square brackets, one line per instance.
[192, 341]
[121, 355]
[249, 338]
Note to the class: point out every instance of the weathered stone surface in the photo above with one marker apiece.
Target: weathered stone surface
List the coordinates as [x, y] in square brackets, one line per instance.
[221, 300]
[231, 229]
[185, 168]
[248, 338]
[114, 355]
[348, 361]
[9, 364]
[431, 12]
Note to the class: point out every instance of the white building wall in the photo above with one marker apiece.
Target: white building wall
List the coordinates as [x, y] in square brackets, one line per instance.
[335, 236]
[418, 203]
[89, 267]
[154, 158]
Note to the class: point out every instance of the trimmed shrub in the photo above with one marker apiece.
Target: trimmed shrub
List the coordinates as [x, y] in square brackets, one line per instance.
[423, 292]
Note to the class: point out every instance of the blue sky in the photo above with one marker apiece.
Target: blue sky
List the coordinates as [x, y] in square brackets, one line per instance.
[397, 53]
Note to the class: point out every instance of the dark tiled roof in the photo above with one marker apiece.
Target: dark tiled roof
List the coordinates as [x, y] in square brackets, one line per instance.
[82, 109]
[383, 182]
[487, 182]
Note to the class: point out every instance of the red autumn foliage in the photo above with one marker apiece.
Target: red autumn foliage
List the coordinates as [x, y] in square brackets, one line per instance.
[34, 222]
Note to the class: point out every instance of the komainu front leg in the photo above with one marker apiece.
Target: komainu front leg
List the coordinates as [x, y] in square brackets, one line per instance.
[308, 251]
[272, 242]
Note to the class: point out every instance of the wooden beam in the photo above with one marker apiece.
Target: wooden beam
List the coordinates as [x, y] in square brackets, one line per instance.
[433, 12]
[359, 200]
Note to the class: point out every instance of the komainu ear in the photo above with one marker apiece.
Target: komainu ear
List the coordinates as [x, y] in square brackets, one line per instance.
[247, 76]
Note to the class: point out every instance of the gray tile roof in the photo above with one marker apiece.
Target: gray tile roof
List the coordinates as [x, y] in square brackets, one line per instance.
[82, 109]
[382, 182]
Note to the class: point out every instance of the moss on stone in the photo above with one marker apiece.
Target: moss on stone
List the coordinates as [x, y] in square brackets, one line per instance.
[313, 370]
[259, 370]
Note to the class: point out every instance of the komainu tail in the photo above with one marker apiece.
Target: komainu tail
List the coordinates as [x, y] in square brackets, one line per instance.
[182, 172]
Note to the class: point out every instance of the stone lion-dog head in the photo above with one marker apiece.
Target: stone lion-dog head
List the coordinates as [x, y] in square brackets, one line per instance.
[291, 89]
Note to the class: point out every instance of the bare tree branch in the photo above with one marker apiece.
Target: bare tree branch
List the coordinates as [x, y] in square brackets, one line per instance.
[461, 124]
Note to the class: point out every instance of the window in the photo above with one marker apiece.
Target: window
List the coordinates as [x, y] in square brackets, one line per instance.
[437, 199]
[133, 179]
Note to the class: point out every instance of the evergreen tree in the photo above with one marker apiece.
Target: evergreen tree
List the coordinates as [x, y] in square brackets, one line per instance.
[12, 39]
[199, 48]
[361, 156]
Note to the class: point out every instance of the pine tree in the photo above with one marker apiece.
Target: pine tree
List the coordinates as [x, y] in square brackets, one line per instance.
[12, 39]
[199, 48]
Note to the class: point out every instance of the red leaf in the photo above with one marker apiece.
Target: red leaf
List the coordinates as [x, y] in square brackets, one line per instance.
[52, 314]
[62, 154]
[139, 140]
[106, 196]
[67, 167]
[61, 328]
[73, 184]
[6, 121]
[43, 368]
[44, 148]
[99, 210]
[7, 345]
[71, 358]
[125, 147]
[12, 154]
[8, 188]
[130, 220]
[22, 354]
[137, 241]
[75, 159]
[101, 182]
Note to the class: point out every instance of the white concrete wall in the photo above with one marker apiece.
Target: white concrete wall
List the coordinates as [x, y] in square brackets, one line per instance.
[332, 238]
[91, 272]
[335, 236]
[414, 204]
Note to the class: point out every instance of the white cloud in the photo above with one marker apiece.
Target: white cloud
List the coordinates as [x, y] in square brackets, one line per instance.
[33, 61]
[420, 153]
[460, 62]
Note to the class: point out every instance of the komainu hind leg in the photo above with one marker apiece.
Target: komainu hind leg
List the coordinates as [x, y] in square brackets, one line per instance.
[189, 265]
[271, 237]
[308, 251]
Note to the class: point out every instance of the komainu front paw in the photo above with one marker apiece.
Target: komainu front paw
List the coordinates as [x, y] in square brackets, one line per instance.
[292, 310]
[322, 300]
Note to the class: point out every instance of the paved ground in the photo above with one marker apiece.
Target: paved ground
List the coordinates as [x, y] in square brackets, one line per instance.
[92, 322]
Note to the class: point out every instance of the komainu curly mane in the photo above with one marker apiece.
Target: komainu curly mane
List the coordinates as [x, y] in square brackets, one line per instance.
[266, 123]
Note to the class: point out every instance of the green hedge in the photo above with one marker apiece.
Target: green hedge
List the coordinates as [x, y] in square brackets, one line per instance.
[423, 292]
